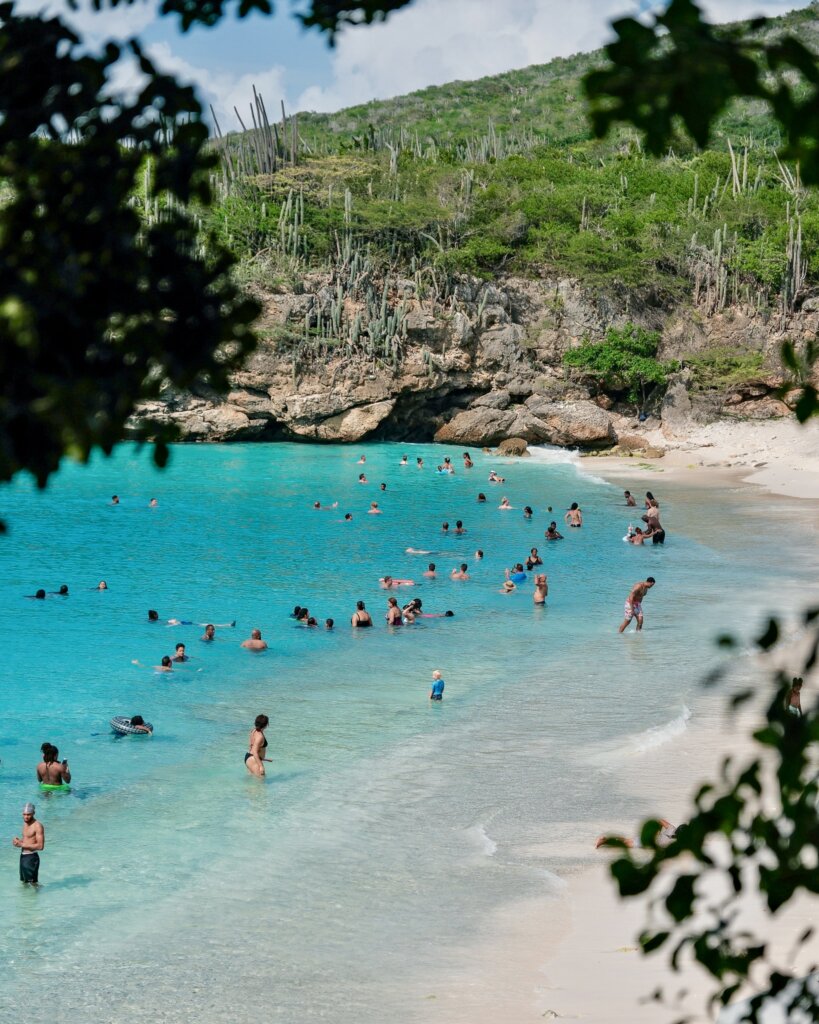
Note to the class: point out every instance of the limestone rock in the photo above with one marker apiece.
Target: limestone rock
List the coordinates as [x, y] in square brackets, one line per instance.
[477, 427]
[631, 442]
[580, 423]
[349, 426]
[492, 400]
[758, 409]
[513, 446]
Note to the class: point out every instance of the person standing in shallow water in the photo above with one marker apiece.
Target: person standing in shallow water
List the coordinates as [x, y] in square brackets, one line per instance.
[634, 607]
[437, 689]
[257, 747]
[29, 844]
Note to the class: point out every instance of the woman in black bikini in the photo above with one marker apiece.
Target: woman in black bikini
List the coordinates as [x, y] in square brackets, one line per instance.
[257, 744]
[361, 617]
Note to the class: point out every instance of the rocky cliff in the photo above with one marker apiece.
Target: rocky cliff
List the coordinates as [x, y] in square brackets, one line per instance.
[478, 366]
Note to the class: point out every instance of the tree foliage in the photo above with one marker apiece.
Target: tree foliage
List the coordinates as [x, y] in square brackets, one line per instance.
[625, 361]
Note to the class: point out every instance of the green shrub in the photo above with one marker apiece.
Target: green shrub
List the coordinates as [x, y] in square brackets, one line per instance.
[720, 368]
[625, 362]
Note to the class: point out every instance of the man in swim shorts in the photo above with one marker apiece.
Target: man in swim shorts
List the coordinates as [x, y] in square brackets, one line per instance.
[633, 607]
[30, 843]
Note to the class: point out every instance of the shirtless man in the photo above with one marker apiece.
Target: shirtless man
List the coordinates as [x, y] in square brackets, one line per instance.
[210, 632]
[629, 499]
[374, 510]
[387, 583]
[459, 574]
[541, 589]
[30, 843]
[51, 771]
[633, 607]
[179, 654]
[552, 533]
[254, 641]
[430, 572]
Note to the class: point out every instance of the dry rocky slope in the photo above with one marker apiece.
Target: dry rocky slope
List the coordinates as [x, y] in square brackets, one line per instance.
[483, 367]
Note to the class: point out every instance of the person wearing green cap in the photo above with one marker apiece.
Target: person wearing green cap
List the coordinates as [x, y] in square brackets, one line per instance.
[30, 843]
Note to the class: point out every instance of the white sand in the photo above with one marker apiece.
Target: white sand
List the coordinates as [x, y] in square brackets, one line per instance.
[778, 455]
[577, 957]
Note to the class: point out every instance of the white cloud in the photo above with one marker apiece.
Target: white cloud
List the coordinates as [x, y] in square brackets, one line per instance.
[222, 89]
[437, 41]
[120, 23]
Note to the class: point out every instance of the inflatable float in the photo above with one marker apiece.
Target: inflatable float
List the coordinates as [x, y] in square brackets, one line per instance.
[122, 725]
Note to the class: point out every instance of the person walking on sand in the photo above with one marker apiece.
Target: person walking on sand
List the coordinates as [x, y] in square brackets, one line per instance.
[437, 689]
[29, 844]
[634, 607]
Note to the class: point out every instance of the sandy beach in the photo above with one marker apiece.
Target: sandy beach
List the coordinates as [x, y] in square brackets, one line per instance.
[577, 956]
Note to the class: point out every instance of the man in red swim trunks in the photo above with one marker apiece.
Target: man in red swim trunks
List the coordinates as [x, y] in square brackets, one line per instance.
[633, 607]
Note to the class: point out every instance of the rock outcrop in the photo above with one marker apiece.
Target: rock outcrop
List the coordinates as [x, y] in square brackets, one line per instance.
[483, 366]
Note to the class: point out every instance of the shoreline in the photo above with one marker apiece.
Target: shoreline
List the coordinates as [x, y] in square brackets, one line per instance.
[576, 955]
[779, 456]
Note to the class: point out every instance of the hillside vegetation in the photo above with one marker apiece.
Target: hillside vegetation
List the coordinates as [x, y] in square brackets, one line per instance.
[500, 176]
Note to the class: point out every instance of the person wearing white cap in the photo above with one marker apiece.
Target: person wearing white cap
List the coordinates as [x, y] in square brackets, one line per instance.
[31, 841]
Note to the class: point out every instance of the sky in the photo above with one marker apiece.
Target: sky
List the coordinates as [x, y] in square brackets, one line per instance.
[428, 43]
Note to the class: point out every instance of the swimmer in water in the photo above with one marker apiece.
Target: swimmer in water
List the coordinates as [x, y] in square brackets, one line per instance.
[62, 592]
[574, 517]
[468, 463]
[460, 573]
[166, 664]
[374, 510]
[419, 462]
[478, 555]
[361, 617]
[481, 498]
[179, 653]
[541, 589]
[504, 504]
[533, 559]
[210, 632]
[102, 585]
[153, 503]
[417, 551]
[362, 479]
[393, 616]
[387, 582]
[137, 723]
[495, 479]
[448, 467]
[444, 527]
[403, 461]
[317, 505]
[362, 460]
[637, 536]
[630, 502]
[516, 573]
[311, 622]
[328, 623]
[527, 512]
[382, 487]
[254, 642]
[51, 771]
[459, 528]
[39, 596]
[551, 532]
[507, 587]
[348, 517]
[430, 572]
[115, 499]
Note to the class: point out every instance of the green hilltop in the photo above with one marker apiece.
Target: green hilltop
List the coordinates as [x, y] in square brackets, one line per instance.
[501, 175]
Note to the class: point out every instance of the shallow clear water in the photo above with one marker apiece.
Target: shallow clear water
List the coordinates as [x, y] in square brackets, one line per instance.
[387, 829]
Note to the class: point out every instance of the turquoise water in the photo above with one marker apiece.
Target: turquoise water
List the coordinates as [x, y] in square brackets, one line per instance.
[387, 830]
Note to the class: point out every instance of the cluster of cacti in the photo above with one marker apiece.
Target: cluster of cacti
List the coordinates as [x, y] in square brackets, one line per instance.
[709, 267]
[261, 149]
[793, 279]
